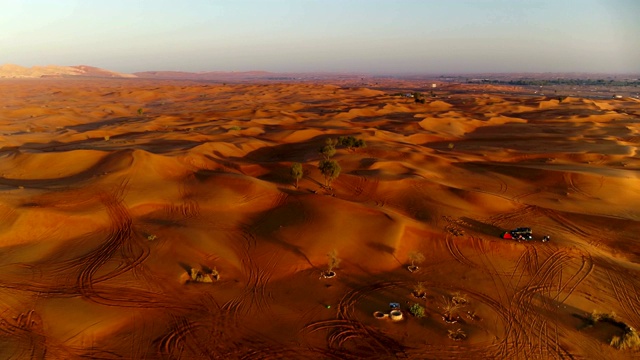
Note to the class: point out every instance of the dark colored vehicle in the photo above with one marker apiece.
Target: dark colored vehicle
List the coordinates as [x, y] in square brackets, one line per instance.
[521, 233]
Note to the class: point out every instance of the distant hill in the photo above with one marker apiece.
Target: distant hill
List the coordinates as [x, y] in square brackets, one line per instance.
[209, 75]
[17, 72]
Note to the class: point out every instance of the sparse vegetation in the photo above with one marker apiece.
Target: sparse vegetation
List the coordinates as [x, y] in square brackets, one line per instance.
[215, 275]
[450, 309]
[415, 257]
[596, 317]
[235, 128]
[334, 261]
[419, 97]
[199, 276]
[297, 172]
[628, 340]
[151, 237]
[107, 138]
[457, 334]
[417, 310]
[420, 290]
[330, 169]
[140, 111]
[459, 299]
[351, 142]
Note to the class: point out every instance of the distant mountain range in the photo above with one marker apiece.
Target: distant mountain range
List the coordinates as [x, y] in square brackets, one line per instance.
[17, 72]
[12, 71]
[55, 71]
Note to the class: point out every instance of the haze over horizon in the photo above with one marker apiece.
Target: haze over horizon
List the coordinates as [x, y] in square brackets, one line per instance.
[378, 36]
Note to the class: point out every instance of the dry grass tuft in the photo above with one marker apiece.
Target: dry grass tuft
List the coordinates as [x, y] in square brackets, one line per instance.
[457, 334]
[629, 340]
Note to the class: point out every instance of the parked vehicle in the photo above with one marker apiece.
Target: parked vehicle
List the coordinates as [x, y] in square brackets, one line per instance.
[521, 233]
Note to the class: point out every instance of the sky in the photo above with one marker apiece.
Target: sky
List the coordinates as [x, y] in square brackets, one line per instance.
[355, 36]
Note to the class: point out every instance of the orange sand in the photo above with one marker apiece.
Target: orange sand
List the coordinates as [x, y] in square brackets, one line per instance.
[105, 209]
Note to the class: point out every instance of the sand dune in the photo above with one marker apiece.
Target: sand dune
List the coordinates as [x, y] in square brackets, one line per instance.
[116, 195]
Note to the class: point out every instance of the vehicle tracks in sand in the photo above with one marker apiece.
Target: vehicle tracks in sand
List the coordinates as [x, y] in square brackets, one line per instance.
[187, 339]
[347, 330]
[539, 338]
[255, 296]
[484, 263]
[363, 190]
[520, 215]
[627, 295]
[569, 178]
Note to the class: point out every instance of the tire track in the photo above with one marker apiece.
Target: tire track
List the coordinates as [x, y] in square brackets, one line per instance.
[627, 296]
[535, 340]
[569, 178]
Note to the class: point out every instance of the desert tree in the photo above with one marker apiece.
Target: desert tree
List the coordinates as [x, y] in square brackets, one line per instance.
[334, 260]
[330, 169]
[329, 149]
[296, 172]
[415, 257]
[351, 142]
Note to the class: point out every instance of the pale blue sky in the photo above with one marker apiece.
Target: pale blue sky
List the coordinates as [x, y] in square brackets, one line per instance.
[364, 36]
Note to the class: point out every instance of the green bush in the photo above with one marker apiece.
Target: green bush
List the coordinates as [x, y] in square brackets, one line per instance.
[417, 310]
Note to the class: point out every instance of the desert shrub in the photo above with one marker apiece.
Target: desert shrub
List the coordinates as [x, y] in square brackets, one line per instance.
[199, 276]
[457, 334]
[459, 299]
[628, 340]
[417, 310]
[450, 309]
[334, 260]
[215, 275]
[420, 289]
[297, 172]
[235, 128]
[151, 237]
[597, 316]
[415, 257]
[140, 111]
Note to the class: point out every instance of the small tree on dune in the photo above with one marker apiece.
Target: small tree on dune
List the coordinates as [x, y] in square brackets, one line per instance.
[334, 260]
[330, 169]
[350, 142]
[329, 149]
[415, 257]
[296, 172]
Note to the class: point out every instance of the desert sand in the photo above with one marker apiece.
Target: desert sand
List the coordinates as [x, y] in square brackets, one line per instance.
[114, 194]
